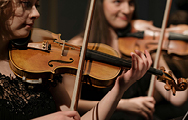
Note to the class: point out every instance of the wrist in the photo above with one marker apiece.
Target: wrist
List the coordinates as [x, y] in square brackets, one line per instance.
[122, 105]
[121, 85]
[117, 90]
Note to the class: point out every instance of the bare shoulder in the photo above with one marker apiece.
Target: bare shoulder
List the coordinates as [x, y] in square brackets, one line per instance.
[38, 35]
[77, 40]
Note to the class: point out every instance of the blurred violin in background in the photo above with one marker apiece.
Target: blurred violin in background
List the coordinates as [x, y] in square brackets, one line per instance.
[145, 36]
[180, 28]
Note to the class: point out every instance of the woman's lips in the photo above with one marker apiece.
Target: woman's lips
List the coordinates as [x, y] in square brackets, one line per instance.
[29, 25]
[123, 18]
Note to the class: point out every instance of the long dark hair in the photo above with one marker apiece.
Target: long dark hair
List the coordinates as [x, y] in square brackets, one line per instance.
[100, 28]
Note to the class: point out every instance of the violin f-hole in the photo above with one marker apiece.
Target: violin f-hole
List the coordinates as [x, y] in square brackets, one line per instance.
[60, 61]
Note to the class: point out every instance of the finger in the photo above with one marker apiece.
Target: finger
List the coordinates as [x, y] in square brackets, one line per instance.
[140, 61]
[147, 61]
[73, 114]
[148, 112]
[124, 70]
[148, 56]
[150, 105]
[76, 117]
[142, 56]
[134, 61]
[144, 114]
[149, 99]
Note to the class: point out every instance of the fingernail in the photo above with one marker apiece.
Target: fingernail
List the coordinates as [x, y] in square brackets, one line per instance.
[136, 50]
[132, 55]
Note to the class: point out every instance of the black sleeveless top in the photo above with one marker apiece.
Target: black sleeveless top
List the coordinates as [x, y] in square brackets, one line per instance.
[140, 88]
[23, 101]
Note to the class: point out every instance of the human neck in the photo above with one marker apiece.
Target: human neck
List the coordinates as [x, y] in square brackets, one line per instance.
[113, 34]
[114, 40]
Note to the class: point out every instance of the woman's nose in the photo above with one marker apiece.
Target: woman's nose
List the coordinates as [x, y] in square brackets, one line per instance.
[34, 13]
[125, 8]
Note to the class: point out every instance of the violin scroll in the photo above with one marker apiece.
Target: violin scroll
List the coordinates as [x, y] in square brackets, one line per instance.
[181, 84]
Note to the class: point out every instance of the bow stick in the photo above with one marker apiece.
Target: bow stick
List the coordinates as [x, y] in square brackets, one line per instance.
[156, 62]
[77, 85]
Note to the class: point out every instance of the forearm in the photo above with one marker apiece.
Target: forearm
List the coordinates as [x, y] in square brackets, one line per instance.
[105, 108]
[123, 104]
[86, 105]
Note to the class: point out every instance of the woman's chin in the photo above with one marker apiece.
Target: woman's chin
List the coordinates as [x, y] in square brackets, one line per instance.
[22, 35]
[121, 25]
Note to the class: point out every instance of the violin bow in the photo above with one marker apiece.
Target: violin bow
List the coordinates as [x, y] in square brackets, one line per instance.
[156, 62]
[77, 85]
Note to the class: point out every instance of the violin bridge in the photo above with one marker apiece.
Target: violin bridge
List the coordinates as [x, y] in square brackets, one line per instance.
[63, 48]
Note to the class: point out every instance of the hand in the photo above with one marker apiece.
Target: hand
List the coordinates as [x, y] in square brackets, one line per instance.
[61, 115]
[143, 106]
[140, 65]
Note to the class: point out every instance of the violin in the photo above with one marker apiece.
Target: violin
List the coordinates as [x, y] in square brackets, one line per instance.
[60, 59]
[147, 39]
[180, 28]
[141, 25]
[102, 63]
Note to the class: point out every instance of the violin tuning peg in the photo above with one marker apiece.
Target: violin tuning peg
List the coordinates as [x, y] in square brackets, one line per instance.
[170, 72]
[174, 90]
[162, 68]
[167, 86]
[182, 84]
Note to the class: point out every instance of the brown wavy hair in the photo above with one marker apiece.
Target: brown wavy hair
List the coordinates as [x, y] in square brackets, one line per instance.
[7, 8]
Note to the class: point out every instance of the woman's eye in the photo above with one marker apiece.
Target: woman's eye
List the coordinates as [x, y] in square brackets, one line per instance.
[131, 3]
[117, 2]
[26, 4]
[37, 6]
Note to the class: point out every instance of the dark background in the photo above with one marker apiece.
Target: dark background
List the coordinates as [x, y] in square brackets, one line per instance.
[67, 17]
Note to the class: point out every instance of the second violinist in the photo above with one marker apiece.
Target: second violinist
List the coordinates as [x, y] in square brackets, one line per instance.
[111, 17]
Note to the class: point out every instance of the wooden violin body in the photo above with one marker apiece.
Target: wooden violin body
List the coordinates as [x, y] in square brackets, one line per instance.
[34, 62]
[147, 39]
[129, 44]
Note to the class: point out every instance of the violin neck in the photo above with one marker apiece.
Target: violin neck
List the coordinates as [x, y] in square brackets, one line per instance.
[177, 36]
[139, 34]
[172, 36]
[115, 61]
